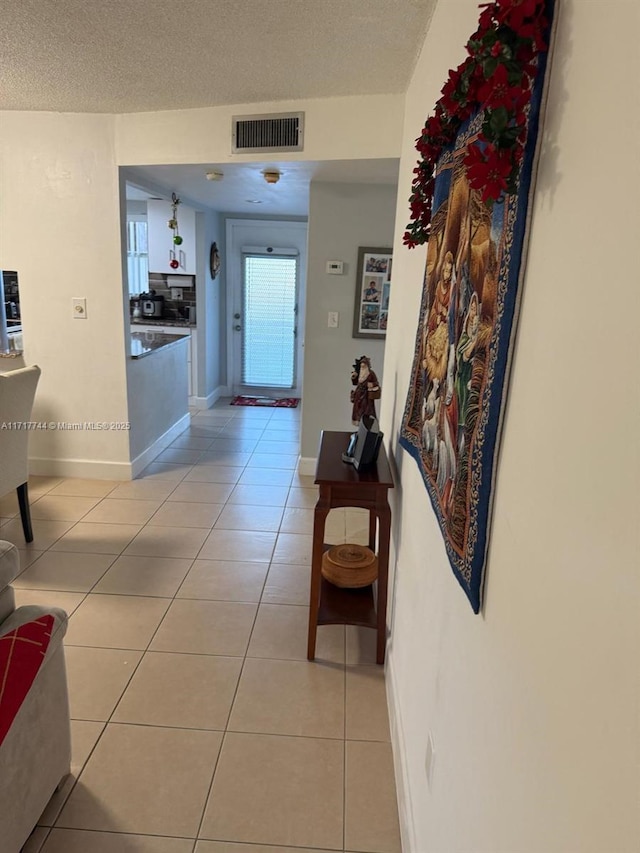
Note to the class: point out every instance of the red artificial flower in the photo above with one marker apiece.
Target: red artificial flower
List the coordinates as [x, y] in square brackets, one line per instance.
[534, 31]
[513, 12]
[497, 92]
[491, 168]
[488, 170]
[449, 102]
[429, 150]
[433, 127]
[449, 89]
[485, 22]
[466, 110]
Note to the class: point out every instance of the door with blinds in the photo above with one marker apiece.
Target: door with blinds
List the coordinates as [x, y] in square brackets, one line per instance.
[265, 323]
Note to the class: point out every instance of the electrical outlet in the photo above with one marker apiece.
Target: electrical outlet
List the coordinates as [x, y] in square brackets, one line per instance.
[176, 294]
[79, 306]
[332, 322]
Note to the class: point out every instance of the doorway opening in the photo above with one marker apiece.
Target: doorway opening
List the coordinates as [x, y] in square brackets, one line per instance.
[265, 306]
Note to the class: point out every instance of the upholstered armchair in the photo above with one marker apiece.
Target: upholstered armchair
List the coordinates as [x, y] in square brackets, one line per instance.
[35, 741]
[17, 392]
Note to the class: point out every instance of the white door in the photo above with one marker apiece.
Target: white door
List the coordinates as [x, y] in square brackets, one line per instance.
[265, 323]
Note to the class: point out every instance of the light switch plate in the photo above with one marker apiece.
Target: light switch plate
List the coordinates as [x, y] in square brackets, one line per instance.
[332, 321]
[79, 307]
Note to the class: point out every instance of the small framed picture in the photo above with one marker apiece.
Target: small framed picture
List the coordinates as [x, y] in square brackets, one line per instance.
[373, 284]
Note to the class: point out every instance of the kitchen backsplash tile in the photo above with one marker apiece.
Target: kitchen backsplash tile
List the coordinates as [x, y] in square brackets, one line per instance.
[174, 309]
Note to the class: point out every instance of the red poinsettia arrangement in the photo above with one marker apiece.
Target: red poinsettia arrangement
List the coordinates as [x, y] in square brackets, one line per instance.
[496, 78]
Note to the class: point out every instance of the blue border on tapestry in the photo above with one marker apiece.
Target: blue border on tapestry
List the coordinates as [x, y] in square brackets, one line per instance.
[453, 419]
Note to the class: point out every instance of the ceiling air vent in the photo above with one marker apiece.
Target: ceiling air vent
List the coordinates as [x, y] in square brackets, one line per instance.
[268, 133]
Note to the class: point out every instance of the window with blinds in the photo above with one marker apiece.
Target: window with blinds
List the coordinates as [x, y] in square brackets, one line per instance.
[137, 256]
[269, 327]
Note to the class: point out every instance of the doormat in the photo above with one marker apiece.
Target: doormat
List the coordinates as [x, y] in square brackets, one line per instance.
[282, 403]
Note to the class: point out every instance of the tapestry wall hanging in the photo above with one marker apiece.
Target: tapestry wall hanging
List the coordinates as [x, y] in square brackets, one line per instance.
[471, 204]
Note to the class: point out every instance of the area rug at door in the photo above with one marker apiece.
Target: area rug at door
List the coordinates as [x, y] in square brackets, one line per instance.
[282, 403]
[471, 204]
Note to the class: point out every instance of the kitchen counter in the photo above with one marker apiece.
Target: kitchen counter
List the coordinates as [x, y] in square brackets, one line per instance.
[144, 343]
[159, 321]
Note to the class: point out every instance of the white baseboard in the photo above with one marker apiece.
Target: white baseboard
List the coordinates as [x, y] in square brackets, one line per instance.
[82, 469]
[147, 456]
[398, 746]
[307, 465]
[199, 402]
[95, 469]
[210, 399]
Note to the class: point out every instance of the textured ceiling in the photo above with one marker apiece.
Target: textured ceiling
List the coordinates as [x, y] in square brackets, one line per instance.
[118, 56]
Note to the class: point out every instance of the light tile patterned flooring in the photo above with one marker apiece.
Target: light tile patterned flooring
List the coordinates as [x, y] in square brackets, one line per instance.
[198, 724]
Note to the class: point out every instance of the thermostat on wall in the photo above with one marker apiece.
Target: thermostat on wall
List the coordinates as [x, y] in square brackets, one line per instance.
[335, 267]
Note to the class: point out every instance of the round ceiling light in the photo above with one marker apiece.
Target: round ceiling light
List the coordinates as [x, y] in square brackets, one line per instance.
[215, 175]
[271, 176]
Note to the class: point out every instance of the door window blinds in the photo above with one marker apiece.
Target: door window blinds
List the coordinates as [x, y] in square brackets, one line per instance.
[269, 321]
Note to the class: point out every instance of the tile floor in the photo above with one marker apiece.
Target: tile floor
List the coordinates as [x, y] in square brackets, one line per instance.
[198, 724]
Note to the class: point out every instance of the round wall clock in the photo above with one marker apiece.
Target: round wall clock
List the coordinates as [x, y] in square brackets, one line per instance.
[214, 260]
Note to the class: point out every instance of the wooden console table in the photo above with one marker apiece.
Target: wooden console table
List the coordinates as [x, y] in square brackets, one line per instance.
[342, 486]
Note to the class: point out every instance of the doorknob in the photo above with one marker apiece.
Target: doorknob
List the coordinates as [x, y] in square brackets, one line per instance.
[237, 327]
[236, 316]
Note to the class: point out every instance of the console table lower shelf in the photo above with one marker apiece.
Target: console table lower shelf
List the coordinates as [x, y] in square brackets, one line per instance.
[340, 606]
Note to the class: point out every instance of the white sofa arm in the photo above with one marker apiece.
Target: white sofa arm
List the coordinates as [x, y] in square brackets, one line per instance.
[35, 753]
[9, 570]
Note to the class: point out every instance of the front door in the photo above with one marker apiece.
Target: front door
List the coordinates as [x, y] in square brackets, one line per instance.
[265, 320]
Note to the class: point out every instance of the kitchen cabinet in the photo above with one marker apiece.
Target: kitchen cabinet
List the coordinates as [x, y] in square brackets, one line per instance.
[160, 238]
[192, 348]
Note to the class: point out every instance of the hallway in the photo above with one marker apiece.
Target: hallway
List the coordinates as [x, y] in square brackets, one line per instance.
[198, 725]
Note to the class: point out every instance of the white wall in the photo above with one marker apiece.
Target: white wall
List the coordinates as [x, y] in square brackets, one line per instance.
[210, 299]
[533, 705]
[157, 389]
[335, 129]
[60, 228]
[342, 217]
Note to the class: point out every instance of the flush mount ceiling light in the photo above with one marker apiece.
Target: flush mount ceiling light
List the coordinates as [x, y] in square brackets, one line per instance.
[271, 176]
[214, 175]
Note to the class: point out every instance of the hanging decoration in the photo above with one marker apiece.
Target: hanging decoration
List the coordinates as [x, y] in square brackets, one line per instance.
[173, 225]
[495, 83]
[471, 204]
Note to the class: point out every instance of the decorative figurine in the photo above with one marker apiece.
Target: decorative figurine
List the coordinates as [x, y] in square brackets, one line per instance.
[366, 391]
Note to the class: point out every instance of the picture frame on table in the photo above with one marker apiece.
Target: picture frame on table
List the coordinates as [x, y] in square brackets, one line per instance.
[373, 285]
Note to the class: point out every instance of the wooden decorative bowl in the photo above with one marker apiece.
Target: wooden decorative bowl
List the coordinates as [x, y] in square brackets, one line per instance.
[350, 566]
